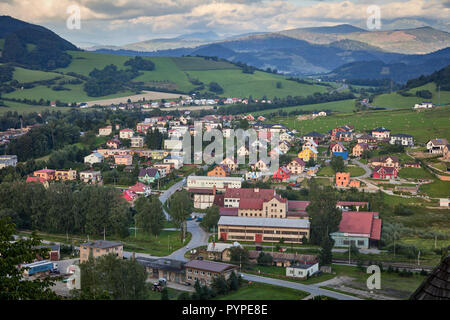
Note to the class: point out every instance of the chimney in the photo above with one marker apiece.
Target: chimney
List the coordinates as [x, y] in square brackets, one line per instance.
[214, 190]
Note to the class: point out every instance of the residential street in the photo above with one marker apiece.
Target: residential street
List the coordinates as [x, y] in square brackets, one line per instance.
[314, 290]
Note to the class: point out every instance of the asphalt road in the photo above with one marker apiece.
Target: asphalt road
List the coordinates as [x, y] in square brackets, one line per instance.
[166, 194]
[314, 290]
[365, 167]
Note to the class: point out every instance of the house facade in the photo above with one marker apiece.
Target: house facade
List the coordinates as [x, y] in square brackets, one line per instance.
[100, 248]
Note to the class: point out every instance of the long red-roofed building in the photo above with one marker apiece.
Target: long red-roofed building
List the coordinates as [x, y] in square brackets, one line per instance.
[361, 228]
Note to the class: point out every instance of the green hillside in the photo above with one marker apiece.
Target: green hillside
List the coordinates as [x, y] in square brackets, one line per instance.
[26, 75]
[421, 125]
[337, 106]
[395, 100]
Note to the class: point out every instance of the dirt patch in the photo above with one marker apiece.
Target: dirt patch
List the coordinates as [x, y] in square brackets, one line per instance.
[148, 95]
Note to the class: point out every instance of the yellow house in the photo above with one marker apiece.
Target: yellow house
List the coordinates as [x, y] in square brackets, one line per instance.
[307, 154]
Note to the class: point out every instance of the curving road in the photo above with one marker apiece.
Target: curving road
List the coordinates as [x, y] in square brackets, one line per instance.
[314, 290]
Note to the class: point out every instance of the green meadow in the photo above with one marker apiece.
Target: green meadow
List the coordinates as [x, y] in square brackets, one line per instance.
[395, 100]
[421, 125]
[336, 106]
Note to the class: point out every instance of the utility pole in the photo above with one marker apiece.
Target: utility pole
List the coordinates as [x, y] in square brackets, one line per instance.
[418, 259]
[168, 244]
[104, 233]
[439, 95]
[349, 247]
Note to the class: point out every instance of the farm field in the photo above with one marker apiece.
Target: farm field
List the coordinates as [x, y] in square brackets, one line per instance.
[262, 291]
[22, 108]
[415, 173]
[395, 100]
[328, 171]
[336, 106]
[25, 75]
[436, 189]
[260, 84]
[421, 125]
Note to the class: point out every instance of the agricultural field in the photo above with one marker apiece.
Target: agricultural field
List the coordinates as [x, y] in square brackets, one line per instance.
[200, 64]
[22, 108]
[25, 75]
[262, 291]
[260, 84]
[335, 106]
[421, 125]
[397, 101]
[415, 173]
[436, 189]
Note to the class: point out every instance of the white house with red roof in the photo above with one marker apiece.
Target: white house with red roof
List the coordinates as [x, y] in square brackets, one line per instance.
[126, 133]
[359, 228]
[140, 189]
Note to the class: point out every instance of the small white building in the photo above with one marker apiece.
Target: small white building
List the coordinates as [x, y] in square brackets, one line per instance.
[423, 105]
[170, 144]
[94, 157]
[302, 270]
[137, 142]
[126, 134]
[8, 161]
[444, 202]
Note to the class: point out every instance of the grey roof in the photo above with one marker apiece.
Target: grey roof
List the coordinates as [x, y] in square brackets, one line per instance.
[209, 265]
[102, 244]
[162, 264]
[264, 222]
[437, 285]
[314, 134]
[404, 135]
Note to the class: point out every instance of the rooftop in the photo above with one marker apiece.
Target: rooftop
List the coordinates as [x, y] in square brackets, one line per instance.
[102, 244]
[209, 265]
[264, 222]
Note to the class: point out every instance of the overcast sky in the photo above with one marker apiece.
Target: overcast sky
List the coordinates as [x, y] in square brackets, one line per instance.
[118, 22]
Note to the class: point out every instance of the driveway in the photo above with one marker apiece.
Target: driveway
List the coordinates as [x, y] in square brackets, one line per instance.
[365, 167]
[313, 290]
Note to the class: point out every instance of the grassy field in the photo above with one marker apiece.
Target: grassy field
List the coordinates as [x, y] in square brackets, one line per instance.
[415, 173]
[337, 106]
[155, 295]
[395, 100]
[262, 291]
[25, 75]
[260, 84]
[421, 125]
[22, 108]
[436, 189]
[200, 64]
[328, 171]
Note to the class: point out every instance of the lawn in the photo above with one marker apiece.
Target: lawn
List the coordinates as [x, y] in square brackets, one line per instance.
[84, 62]
[421, 125]
[155, 295]
[436, 189]
[337, 106]
[355, 171]
[201, 64]
[329, 172]
[263, 291]
[26, 75]
[415, 173]
[395, 100]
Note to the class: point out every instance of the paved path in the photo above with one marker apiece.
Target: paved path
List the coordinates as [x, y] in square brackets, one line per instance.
[312, 289]
[365, 167]
[199, 238]
[166, 194]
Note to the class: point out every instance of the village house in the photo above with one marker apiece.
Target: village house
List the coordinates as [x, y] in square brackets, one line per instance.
[148, 175]
[281, 174]
[423, 105]
[342, 179]
[359, 148]
[384, 161]
[126, 133]
[94, 157]
[162, 268]
[143, 127]
[296, 166]
[66, 174]
[137, 142]
[91, 176]
[100, 248]
[368, 139]
[38, 180]
[284, 146]
[126, 160]
[230, 163]
[221, 183]
[283, 259]
[297, 209]
[219, 251]
[436, 146]
[104, 132]
[338, 150]
[242, 151]
[352, 205]
[253, 175]
[361, 229]
[446, 152]
[203, 198]
[175, 161]
[47, 174]
[8, 161]
[411, 165]
[302, 270]
[402, 139]
[386, 173]
[113, 143]
[140, 189]
[381, 133]
[205, 271]
[261, 165]
[163, 168]
[307, 154]
[129, 196]
[314, 136]
[310, 144]
[263, 229]
[220, 170]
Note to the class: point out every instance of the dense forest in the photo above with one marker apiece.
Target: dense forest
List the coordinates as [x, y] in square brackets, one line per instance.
[441, 78]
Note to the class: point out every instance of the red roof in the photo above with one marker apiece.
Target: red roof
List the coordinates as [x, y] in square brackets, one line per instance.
[248, 203]
[253, 193]
[138, 188]
[45, 171]
[228, 212]
[35, 179]
[219, 200]
[297, 205]
[126, 130]
[129, 195]
[355, 222]
[352, 203]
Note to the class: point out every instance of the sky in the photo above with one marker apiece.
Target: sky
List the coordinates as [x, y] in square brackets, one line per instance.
[119, 22]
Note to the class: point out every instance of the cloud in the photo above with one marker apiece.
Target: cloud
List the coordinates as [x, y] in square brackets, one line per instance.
[152, 18]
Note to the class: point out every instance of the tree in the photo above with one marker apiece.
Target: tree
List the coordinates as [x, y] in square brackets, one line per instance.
[323, 214]
[337, 163]
[239, 255]
[12, 286]
[150, 215]
[211, 218]
[326, 254]
[121, 279]
[264, 259]
[180, 207]
[243, 124]
[233, 282]
[165, 294]
[219, 284]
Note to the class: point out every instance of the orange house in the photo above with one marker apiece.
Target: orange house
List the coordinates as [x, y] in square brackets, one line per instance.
[342, 179]
[219, 171]
[355, 184]
[47, 174]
